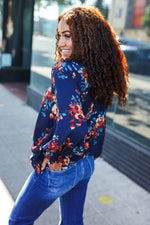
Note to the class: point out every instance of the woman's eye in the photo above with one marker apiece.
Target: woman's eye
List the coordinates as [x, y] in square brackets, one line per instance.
[58, 36]
[67, 36]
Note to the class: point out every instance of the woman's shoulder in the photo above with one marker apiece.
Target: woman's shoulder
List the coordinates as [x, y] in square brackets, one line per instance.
[68, 66]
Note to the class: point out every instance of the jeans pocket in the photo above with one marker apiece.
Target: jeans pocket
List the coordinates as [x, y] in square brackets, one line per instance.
[62, 181]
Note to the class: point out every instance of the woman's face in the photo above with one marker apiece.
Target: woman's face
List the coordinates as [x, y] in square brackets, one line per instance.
[65, 40]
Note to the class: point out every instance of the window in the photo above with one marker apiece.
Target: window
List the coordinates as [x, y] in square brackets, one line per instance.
[118, 13]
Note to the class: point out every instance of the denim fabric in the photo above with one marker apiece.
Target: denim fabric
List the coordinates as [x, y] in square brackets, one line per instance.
[41, 190]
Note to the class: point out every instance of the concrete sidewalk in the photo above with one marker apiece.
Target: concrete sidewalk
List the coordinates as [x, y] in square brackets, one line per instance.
[112, 198]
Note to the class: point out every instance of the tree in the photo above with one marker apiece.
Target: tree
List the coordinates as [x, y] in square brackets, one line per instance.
[146, 20]
[98, 3]
[82, 1]
[60, 2]
[103, 8]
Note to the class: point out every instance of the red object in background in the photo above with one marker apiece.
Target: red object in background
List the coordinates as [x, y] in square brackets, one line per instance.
[138, 13]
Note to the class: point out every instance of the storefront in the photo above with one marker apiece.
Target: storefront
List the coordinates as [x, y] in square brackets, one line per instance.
[16, 39]
[127, 145]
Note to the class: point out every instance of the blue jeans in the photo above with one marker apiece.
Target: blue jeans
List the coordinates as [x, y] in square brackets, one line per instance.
[41, 190]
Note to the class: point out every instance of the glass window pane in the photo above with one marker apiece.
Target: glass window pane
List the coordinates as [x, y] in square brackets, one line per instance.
[133, 122]
[43, 42]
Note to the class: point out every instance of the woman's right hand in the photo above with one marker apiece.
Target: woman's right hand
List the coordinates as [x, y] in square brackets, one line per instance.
[55, 166]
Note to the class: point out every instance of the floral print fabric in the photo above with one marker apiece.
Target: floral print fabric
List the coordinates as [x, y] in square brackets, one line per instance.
[70, 124]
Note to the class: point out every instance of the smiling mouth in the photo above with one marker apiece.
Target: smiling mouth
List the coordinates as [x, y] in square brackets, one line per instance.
[65, 50]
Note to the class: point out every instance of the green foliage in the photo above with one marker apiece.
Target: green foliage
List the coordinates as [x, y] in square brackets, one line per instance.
[1, 6]
[99, 4]
[60, 2]
[103, 8]
[146, 20]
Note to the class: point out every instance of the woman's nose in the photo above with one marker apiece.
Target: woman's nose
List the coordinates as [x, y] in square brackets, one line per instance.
[61, 42]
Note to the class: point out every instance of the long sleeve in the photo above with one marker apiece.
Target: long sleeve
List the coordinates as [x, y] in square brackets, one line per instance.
[44, 127]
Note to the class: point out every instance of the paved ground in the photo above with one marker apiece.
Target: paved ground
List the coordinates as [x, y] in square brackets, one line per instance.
[112, 198]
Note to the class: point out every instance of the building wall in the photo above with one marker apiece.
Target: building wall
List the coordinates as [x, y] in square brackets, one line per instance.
[129, 24]
[138, 13]
[117, 14]
[130, 13]
[127, 14]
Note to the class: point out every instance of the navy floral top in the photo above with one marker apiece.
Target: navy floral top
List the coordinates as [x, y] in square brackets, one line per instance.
[70, 124]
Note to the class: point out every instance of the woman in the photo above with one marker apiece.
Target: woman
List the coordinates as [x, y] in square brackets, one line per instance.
[70, 128]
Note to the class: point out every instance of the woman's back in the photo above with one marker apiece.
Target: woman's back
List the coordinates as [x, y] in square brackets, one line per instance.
[80, 120]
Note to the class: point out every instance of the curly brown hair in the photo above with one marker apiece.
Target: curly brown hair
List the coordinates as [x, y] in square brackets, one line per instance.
[95, 46]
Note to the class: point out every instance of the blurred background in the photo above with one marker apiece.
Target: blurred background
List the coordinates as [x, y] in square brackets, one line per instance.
[27, 45]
